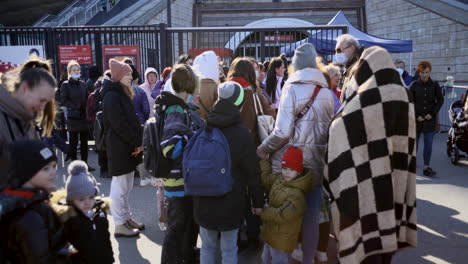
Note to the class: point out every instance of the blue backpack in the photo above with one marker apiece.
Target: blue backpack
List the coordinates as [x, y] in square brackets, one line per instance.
[206, 164]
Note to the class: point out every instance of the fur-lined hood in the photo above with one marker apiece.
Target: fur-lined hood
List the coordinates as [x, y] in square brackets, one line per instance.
[66, 211]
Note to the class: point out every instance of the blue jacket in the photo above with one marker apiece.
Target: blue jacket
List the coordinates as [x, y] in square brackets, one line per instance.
[141, 104]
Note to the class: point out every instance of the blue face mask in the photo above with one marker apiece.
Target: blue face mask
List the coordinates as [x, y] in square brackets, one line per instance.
[76, 76]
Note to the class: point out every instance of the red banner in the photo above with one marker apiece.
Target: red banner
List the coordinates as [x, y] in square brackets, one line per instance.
[279, 38]
[80, 53]
[120, 53]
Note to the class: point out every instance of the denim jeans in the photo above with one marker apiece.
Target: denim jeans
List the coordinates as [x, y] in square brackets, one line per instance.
[427, 152]
[310, 225]
[273, 256]
[212, 240]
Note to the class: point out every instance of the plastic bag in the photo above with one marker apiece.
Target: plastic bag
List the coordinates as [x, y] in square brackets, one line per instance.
[161, 203]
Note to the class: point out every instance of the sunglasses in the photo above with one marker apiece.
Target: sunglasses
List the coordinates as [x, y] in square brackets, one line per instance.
[341, 50]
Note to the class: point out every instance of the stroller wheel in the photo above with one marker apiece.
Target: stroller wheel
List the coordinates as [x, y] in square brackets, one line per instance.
[455, 157]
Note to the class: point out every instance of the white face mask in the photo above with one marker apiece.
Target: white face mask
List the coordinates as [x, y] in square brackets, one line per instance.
[76, 76]
[257, 74]
[400, 71]
[341, 58]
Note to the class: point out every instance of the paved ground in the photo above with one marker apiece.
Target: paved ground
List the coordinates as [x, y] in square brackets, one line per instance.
[442, 217]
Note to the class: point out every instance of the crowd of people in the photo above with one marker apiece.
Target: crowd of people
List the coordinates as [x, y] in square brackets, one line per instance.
[339, 163]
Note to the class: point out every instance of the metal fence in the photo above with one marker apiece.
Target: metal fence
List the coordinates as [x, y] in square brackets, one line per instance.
[260, 43]
[160, 46]
[451, 95]
[146, 37]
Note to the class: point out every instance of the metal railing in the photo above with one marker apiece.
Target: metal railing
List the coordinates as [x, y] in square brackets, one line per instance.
[231, 42]
[160, 46]
[146, 37]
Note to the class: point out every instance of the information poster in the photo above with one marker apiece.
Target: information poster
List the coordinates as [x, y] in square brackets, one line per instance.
[14, 56]
[80, 53]
[120, 53]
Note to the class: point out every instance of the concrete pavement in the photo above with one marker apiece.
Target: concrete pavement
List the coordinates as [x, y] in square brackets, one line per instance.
[442, 217]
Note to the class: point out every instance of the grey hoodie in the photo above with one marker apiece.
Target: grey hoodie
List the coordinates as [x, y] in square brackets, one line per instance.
[15, 123]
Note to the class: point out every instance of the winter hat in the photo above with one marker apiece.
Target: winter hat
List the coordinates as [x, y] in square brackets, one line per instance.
[304, 57]
[207, 66]
[231, 92]
[118, 69]
[79, 182]
[293, 159]
[28, 157]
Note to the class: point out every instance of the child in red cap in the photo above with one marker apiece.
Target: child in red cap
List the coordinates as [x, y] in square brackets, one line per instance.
[282, 219]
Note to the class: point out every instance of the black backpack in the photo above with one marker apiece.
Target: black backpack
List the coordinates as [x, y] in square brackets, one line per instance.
[153, 159]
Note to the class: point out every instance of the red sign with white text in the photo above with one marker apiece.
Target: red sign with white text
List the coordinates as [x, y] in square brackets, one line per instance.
[80, 53]
[120, 53]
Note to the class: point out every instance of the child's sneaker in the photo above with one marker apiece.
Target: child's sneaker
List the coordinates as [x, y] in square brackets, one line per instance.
[297, 254]
[321, 257]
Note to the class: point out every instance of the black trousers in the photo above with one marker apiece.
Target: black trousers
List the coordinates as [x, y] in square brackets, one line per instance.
[83, 135]
[181, 233]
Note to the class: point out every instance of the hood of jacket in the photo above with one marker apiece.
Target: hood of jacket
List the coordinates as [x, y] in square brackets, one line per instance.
[303, 182]
[224, 114]
[206, 64]
[106, 84]
[12, 107]
[166, 99]
[146, 86]
[308, 76]
[66, 211]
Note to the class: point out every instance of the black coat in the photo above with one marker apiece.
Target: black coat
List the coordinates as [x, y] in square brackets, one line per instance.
[36, 235]
[428, 99]
[74, 96]
[123, 132]
[227, 212]
[91, 236]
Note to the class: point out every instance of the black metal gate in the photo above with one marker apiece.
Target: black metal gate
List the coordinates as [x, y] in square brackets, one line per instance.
[160, 46]
[146, 37]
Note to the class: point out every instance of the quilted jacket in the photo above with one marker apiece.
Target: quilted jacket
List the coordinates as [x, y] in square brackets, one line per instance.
[282, 219]
[310, 132]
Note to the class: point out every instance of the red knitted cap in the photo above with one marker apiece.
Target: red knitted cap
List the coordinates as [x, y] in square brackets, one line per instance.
[293, 159]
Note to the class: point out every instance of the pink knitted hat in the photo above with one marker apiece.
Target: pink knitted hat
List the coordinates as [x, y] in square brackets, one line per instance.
[118, 69]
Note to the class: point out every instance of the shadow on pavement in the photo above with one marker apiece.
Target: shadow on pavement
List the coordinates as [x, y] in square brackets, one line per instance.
[128, 251]
[441, 236]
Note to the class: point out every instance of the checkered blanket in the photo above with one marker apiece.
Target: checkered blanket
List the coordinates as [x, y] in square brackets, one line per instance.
[371, 162]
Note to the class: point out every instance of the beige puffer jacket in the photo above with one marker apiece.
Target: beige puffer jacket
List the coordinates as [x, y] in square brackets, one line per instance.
[310, 133]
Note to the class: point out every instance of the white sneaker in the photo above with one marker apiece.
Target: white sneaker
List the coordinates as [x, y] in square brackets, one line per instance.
[144, 182]
[321, 257]
[297, 254]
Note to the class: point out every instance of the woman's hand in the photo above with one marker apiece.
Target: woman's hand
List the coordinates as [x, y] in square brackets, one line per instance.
[137, 151]
[428, 117]
[420, 119]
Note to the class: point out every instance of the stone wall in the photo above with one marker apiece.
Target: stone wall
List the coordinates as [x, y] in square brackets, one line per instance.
[439, 40]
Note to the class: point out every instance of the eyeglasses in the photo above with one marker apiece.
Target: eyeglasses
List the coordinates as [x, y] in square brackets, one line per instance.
[341, 50]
